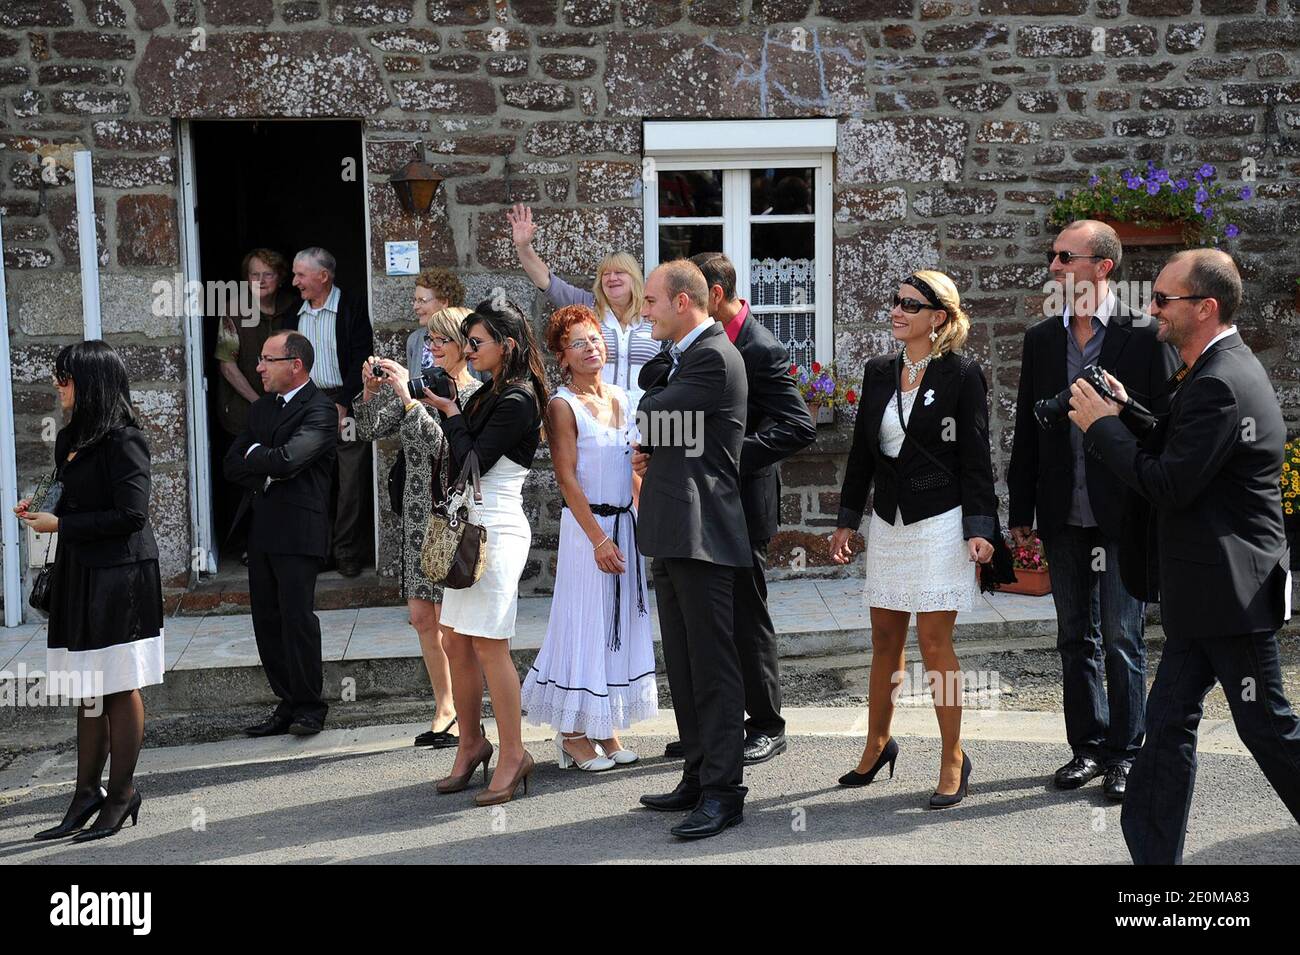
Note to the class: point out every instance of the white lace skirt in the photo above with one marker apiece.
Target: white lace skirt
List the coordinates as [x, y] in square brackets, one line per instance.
[920, 567]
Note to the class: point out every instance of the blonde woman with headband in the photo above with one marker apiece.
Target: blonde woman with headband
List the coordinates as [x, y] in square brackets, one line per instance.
[381, 410]
[616, 299]
[922, 440]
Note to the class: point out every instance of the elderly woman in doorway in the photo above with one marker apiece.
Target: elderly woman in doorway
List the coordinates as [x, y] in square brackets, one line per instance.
[381, 410]
[615, 298]
[435, 289]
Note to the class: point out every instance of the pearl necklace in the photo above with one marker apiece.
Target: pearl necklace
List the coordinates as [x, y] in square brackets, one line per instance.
[914, 368]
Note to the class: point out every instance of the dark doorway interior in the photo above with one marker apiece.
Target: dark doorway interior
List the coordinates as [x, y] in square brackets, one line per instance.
[283, 185]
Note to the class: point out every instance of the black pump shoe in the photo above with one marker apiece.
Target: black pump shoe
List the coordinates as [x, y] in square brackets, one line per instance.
[887, 755]
[74, 823]
[132, 810]
[946, 801]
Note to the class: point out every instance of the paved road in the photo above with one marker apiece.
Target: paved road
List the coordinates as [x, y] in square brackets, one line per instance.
[364, 795]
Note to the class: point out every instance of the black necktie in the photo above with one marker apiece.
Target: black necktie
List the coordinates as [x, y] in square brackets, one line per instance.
[279, 402]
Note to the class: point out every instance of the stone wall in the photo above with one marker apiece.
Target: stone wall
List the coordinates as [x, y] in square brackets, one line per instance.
[959, 121]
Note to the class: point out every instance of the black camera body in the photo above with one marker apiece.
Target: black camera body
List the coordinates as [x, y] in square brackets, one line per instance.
[1051, 412]
[435, 380]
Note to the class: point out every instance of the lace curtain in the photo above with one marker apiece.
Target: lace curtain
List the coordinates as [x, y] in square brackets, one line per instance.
[790, 283]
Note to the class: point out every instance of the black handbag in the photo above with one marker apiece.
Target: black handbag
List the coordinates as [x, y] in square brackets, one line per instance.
[42, 596]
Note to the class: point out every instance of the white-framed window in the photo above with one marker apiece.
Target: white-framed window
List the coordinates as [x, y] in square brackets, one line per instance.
[759, 191]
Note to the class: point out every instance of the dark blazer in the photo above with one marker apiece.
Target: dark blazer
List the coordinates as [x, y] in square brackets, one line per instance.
[504, 425]
[953, 427]
[297, 449]
[777, 425]
[355, 339]
[104, 508]
[690, 504]
[1041, 473]
[1214, 488]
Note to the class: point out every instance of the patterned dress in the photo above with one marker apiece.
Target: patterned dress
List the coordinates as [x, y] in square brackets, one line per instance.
[426, 448]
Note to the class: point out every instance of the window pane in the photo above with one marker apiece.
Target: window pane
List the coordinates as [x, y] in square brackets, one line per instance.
[781, 192]
[690, 192]
[783, 240]
[796, 331]
[683, 241]
[782, 281]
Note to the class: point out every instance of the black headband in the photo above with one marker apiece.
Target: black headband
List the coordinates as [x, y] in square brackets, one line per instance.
[926, 290]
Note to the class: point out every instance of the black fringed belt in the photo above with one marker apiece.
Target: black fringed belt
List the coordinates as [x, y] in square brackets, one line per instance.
[611, 510]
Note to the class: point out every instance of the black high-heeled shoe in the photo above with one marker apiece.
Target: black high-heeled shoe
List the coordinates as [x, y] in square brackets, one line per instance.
[947, 800]
[132, 810]
[73, 824]
[887, 755]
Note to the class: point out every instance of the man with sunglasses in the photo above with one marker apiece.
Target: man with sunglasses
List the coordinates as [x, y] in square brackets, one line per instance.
[1080, 504]
[1225, 586]
[284, 459]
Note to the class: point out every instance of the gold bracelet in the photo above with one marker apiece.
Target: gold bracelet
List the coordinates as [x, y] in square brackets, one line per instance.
[601, 544]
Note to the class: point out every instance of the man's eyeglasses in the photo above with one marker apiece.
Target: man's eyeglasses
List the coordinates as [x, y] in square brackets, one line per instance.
[271, 359]
[436, 341]
[1067, 257]
[1161, 299]
[910, 305]
[581, 346]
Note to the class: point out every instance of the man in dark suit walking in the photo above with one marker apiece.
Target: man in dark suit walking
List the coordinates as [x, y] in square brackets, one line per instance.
[1080, 503]
[691, 419]
[285, 459]
[338, 326]
[1223, 561]
[777, 425]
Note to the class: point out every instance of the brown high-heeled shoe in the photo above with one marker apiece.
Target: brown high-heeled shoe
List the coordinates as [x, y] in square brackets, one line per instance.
[454, 784]
[490, 798]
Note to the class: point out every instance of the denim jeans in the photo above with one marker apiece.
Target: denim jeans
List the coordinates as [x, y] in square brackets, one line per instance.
[1099, 629]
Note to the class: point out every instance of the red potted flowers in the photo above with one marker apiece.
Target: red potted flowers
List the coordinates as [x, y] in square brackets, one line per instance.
[1032, 576]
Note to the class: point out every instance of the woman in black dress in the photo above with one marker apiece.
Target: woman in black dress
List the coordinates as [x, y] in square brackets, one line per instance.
[105, 632]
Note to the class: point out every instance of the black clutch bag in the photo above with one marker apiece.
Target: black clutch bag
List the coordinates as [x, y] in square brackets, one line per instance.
[45, 498]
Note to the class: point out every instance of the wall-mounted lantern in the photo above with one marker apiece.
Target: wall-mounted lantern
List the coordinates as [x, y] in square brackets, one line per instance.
[415, 184]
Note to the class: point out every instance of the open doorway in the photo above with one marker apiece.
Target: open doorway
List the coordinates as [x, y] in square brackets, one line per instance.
[281, 185]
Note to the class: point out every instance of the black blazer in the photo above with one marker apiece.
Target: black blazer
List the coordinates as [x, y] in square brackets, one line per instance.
[690, 503]
[777, 425]
[355, 339]
[104, 508]
[1040, 476]
[297, 449]
[953, 427]
[505, 425]
[1214, 488]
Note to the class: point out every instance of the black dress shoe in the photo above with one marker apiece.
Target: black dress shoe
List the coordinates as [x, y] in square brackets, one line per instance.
[947, 800]
[441, 739]
[349, 568]
[275, 725]
[674, 750]
[887, 755]
[72, 823]
[679, 800]
[103, 832]
[1076, 772]
[760, 747]
[710, 817]
[1117, 781]
[306, 725]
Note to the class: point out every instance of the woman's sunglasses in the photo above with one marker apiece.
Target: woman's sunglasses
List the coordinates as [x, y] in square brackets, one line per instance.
[910, 305]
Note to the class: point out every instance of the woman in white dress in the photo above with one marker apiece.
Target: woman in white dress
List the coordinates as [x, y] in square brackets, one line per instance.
[595, 673]
[922, 440]
[501, 423]
[615, 298]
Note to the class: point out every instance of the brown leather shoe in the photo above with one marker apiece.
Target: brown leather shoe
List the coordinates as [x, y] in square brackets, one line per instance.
[454, 784]
[490, 798]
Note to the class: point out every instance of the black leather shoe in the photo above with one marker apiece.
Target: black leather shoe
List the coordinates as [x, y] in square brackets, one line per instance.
[1117, 781]
[103, 832]
[760, 747]
[947, 800]
[276, 725]
[674, 750]
[679, 800]
[73, 823]
[887, 755]
[306, 725]
[349, 568]
[1076, 772]
[710, 817]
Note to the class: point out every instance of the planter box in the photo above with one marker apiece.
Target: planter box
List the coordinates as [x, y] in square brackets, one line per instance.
[1031, 583]
[1165, 233]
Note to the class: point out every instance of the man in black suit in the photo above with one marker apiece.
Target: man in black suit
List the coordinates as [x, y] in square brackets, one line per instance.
[338, 327]
[691, 419]
[1223, 561]
[777, 425]
[1080, 503]
[284, 459]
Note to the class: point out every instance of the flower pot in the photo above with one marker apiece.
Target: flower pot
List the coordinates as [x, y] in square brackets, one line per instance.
[1164, 233]
[1031, 583]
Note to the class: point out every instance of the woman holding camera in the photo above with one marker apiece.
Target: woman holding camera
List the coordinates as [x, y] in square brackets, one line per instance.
[382, 410]
[105, 634]
[922, 439]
